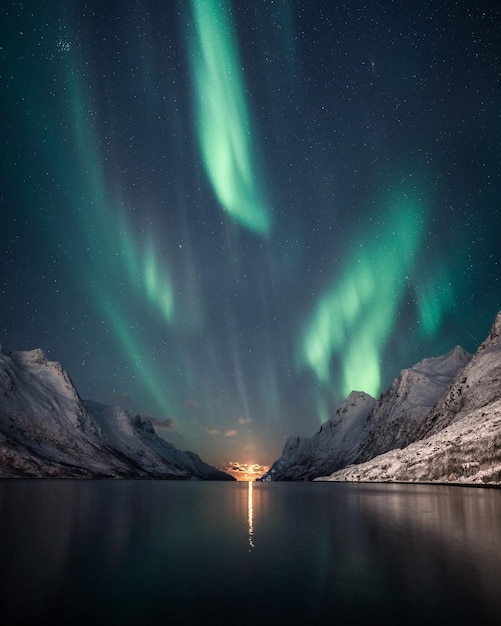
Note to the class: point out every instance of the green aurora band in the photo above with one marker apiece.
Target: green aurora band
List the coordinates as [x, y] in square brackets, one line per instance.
[223, 121]
[121, 269]
[435, 299]
[355, 318]
[141, 272]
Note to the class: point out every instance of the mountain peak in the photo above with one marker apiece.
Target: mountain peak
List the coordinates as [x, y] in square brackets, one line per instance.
[355, 398]
[30, 357]
[457, 440]
[445, 365]
[494, 336]
[333, 446]
[362, 427]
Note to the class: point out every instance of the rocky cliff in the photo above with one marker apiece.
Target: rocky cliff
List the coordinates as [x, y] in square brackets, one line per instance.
[46, 430]
[459, 440]
[335, 445]
[438, 421]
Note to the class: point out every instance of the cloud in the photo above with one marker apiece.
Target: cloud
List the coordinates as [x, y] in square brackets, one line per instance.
[167, 423]
[230, 433]
[245, 471]
[212, 430]
[258, 468]
[244, 420]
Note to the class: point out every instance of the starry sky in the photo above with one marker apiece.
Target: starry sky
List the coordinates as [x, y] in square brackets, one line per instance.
[226, 215]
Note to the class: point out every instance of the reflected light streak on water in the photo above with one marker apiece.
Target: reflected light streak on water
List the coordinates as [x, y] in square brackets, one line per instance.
[250, 516]
[129, 552]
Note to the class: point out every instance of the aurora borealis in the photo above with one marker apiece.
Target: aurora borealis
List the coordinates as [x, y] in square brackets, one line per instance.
[227, 215]
[223, 126]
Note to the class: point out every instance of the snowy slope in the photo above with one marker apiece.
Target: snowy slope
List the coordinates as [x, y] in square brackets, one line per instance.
[44, 427]
[335, 445]
[136, 439]
[460, 439]
[399, 413]
[478, 385]
[363, 428]
[46, 430]
[466, 452]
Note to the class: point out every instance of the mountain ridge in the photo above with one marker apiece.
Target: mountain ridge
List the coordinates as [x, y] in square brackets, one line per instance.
[47, 430]
[438, 421]
[460, 439]
[401, 409]
[304, 458]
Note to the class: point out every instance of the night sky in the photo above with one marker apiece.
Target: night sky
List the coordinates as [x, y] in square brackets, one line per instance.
[227, 215]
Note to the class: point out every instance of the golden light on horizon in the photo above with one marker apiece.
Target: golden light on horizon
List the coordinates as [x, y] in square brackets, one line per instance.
[245, 471]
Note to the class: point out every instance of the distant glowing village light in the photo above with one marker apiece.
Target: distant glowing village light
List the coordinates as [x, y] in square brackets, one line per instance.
[245, 471]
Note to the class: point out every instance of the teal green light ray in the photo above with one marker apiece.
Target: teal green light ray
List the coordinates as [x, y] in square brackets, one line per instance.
[120, 270]
[130, 260]
[435, 299]
[140, 362]
[223, 121]
[158, 283]
[139, 263]
[354, 319]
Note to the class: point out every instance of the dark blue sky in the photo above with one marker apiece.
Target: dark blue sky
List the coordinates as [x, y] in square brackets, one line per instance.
[226, 215]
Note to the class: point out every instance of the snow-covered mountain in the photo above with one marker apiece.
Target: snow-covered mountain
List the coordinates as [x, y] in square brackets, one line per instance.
[478, 385]
[450, 402]
[46, 430]
[459, 440]
[398, 415]
[335, 445]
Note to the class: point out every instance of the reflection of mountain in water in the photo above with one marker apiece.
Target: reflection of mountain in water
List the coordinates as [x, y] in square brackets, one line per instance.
[127, 552]
[443, 534]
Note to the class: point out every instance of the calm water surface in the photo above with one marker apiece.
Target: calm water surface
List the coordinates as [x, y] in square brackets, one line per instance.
[156, 552]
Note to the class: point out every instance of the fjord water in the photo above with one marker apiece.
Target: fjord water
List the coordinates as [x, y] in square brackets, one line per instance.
[160, 552]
